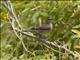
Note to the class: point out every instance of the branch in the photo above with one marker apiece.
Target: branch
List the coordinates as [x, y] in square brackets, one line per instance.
[47, 43]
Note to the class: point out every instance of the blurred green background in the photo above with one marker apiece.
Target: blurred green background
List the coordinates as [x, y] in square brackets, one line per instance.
[66, 30]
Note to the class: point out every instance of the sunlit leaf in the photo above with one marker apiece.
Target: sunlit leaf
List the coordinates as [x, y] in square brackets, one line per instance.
[77, 33]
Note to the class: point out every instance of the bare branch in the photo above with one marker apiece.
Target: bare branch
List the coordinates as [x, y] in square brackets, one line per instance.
[47, 43]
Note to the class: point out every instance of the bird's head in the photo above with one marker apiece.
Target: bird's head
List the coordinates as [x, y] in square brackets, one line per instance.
[49, 23]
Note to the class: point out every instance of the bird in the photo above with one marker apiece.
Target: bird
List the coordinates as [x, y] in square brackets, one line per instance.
[44, 28]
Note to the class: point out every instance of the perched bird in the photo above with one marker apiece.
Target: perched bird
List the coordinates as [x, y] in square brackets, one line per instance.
[44, 28]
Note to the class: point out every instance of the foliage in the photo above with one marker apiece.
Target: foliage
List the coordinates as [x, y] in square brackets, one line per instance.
[66, 30]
